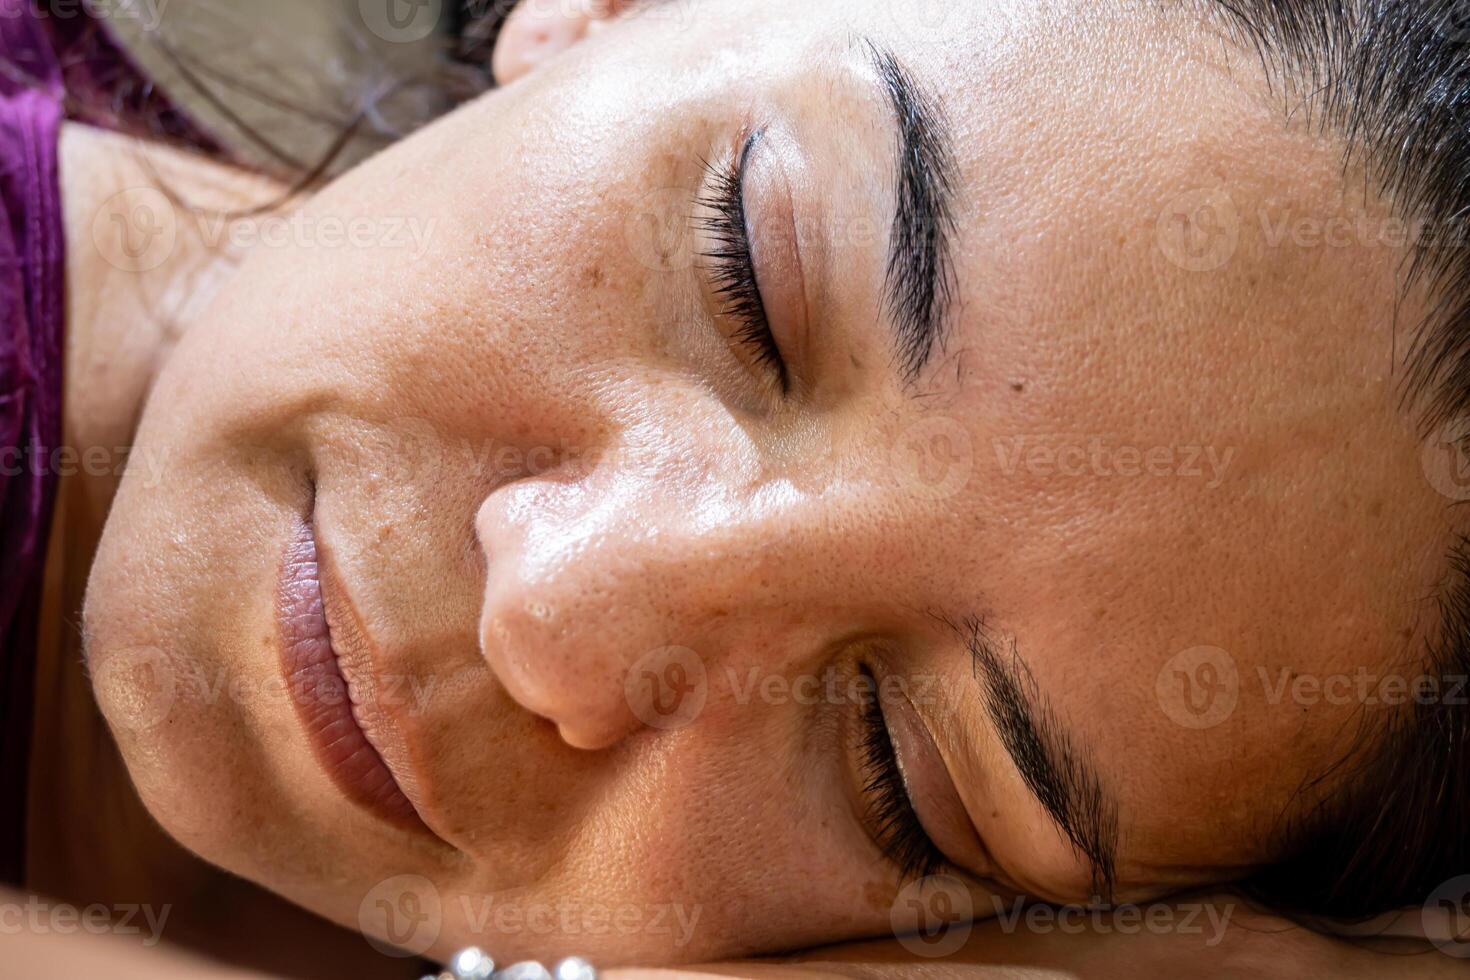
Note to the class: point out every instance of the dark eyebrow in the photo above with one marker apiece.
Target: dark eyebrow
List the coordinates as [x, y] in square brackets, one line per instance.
[919, 286]
[1056, 771]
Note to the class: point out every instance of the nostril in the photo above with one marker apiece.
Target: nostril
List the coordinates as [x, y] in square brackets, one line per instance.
[569, 603]
[556, 676]
[514, 671]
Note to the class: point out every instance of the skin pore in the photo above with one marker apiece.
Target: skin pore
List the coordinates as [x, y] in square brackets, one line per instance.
[670, 489]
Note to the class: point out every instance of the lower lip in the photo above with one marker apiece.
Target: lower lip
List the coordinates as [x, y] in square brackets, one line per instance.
[325, 702]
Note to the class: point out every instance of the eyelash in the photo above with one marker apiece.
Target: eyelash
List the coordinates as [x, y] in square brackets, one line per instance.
[900, 832]
[733, 270]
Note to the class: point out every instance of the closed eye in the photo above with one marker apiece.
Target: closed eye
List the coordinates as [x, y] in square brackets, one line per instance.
[899, 831]
[731, 264]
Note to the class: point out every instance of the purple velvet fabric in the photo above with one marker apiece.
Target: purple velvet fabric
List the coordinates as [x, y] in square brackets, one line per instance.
[31, 110]
[56, 65]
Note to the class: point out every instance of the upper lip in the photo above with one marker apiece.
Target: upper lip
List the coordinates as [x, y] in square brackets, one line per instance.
[328, 663]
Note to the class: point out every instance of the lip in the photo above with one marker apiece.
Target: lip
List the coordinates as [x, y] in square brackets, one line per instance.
[333, 698]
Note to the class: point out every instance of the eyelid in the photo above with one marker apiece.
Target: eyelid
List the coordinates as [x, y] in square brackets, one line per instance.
[774, 170]
[728, 272]
[932, 787]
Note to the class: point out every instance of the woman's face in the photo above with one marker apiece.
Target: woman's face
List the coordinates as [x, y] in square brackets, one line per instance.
[1065, 436]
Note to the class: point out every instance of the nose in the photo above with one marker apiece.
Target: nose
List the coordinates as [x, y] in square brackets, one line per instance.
[612, 595]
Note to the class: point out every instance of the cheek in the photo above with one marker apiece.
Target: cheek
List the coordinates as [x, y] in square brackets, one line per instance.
[732, 839]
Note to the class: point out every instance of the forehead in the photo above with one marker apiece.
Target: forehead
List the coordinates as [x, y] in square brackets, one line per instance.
[1175, 359]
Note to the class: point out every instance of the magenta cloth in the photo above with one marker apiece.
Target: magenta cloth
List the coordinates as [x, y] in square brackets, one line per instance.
[31, 110]
[52, 66]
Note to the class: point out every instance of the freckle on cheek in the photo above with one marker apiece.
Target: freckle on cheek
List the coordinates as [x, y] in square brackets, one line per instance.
[877, 896]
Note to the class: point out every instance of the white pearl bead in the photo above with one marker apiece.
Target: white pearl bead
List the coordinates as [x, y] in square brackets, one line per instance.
[575, 968]
[472, 964]
[525, 970]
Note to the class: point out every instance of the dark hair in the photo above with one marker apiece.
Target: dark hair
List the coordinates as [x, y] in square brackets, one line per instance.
[338, 109]
[1385, 827]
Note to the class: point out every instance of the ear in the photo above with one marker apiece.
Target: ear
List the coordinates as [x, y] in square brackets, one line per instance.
[538, 30]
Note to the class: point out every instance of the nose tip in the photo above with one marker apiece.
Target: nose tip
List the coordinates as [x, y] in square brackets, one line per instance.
[590, 737]
[581, 601]
[547, 647]
[552, 678]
